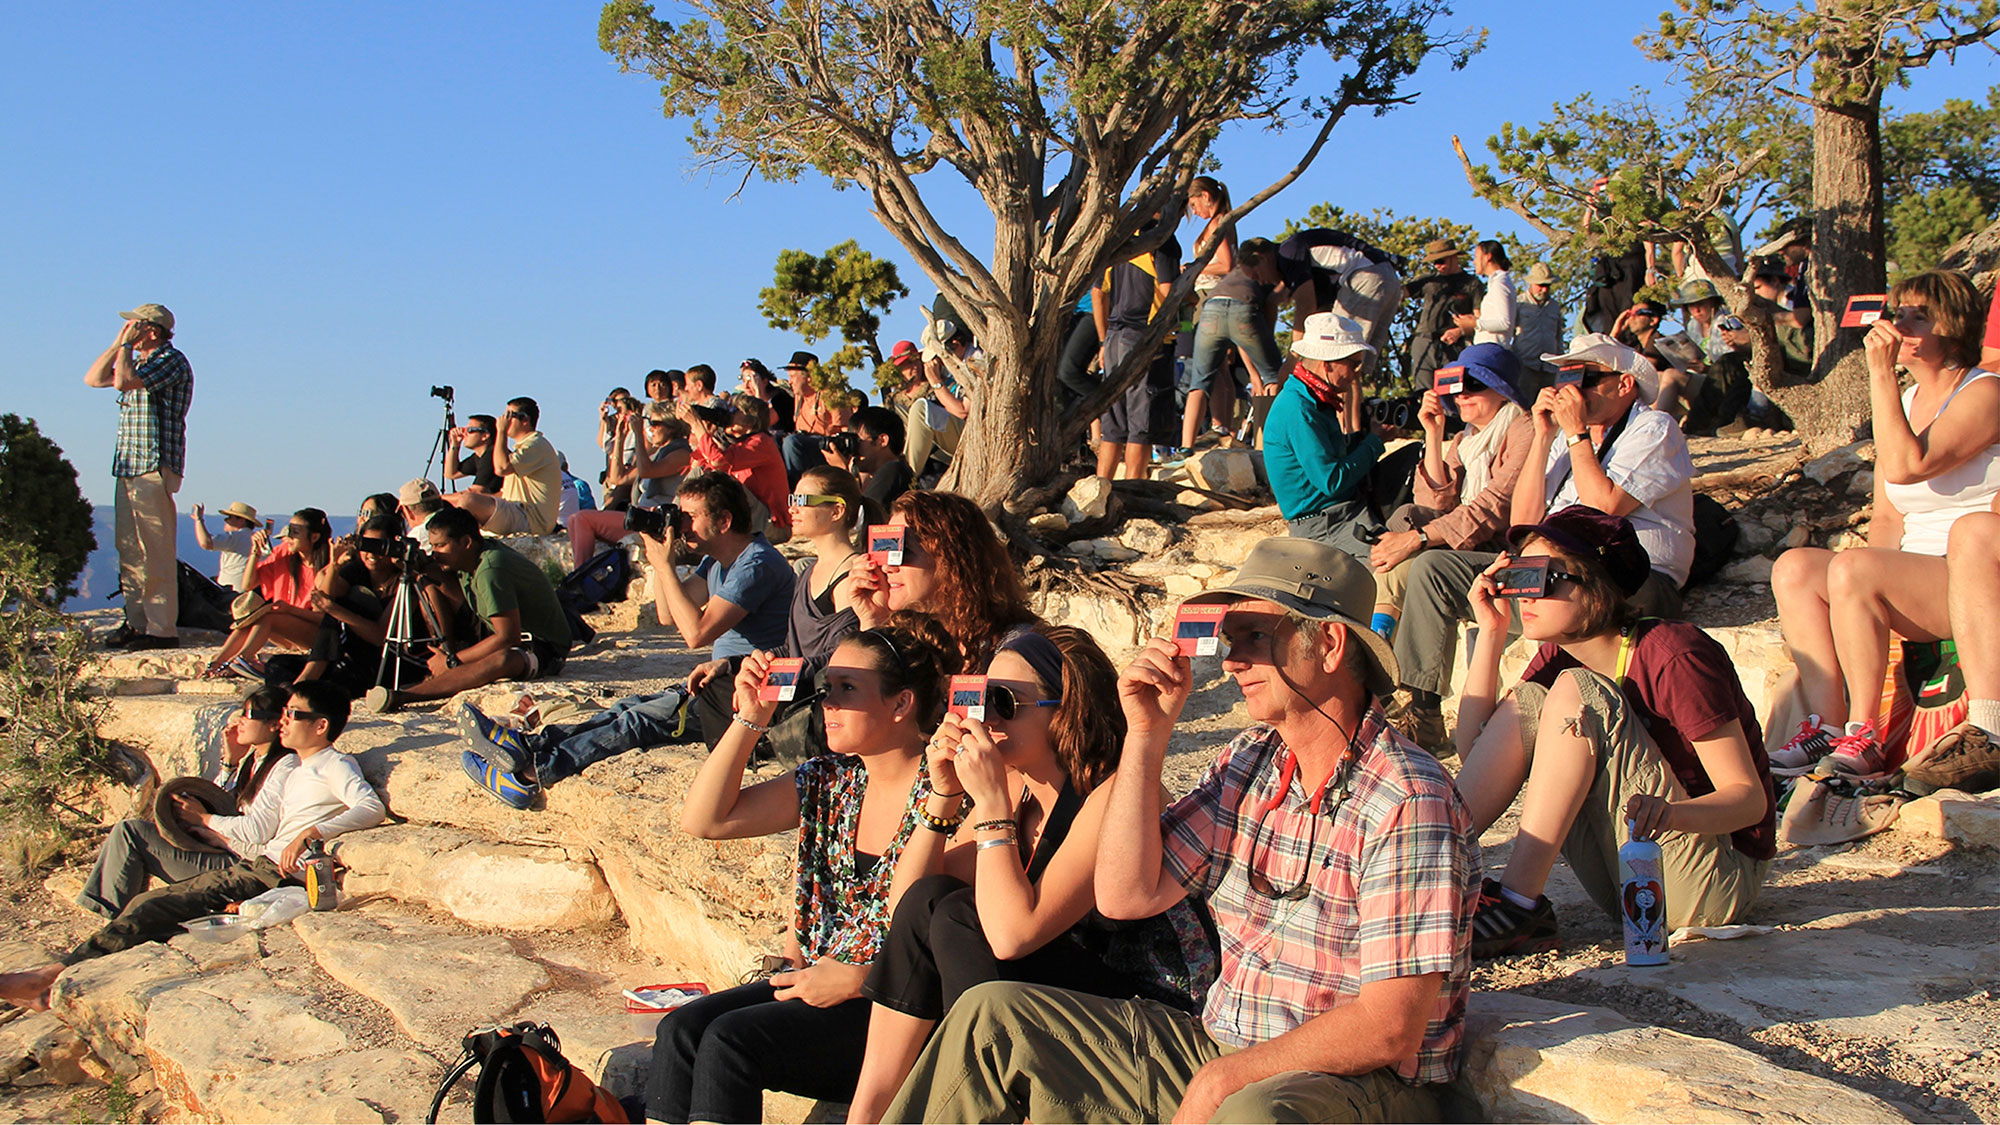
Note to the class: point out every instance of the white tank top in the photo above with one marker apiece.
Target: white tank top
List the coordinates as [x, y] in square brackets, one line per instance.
[1930, 507]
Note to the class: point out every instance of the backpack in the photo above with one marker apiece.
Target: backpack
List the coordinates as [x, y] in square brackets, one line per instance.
[1715, 534]
[604, 578]
[524, 1077]
[203, 604]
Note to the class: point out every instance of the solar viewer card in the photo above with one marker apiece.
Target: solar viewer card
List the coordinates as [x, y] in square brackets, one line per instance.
[1198, 629]
[885, 543]
[781, 683]
[1864, 311]
[968, 697]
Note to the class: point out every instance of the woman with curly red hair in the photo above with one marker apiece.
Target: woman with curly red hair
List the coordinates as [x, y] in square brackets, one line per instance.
[954, 568]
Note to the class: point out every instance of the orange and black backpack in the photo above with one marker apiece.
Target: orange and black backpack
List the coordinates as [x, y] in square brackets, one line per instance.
[523, 1076]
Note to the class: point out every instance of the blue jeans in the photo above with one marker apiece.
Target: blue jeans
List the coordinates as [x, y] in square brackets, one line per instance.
[567, 749]
[801, 452]
[1225, 323]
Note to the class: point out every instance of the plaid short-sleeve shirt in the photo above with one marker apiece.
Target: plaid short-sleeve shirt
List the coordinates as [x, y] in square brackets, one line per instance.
[152, 421]
[1392, 871]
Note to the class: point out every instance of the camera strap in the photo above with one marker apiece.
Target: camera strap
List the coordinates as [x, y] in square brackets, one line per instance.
[1602, 451]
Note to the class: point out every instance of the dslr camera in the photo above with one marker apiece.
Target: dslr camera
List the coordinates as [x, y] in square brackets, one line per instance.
[847, 443]
[655, 521]
[444, 393]
[400, 549]
[716, 416]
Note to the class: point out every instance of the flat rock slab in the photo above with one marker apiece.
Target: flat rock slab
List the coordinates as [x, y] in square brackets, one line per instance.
[106, 1000]
[435, 983]
[379, 1084]
[1533, 1060]
[209, 1035]
[39, 1049]
[1861, 974]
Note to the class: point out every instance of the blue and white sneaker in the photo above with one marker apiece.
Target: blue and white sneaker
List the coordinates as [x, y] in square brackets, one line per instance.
[505, 787]
[499, 744]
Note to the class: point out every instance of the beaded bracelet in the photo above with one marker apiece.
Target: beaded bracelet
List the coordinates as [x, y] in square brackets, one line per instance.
[758, 727]
[986, 824]
[997, 842]
[944, 824]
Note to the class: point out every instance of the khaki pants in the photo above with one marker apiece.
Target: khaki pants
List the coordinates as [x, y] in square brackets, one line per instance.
[1709, 882]
[1024, 1052]
[147, 552]
[920, 436]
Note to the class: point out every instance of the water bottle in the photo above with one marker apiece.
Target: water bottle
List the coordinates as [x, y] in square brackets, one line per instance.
[1642, 898]
[322, 892]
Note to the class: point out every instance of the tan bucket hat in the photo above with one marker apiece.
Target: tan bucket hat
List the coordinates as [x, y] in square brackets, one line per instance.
[1313, 580]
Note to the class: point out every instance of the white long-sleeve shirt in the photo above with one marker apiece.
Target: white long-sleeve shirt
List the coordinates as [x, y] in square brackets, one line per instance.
[248, 833]
[325, 791]
[1496, 311]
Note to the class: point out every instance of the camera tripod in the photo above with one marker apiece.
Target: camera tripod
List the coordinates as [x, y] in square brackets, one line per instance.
[441, 444]
[401, 643]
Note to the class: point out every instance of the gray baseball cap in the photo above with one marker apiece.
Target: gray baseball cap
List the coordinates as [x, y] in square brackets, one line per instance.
[1311, 579]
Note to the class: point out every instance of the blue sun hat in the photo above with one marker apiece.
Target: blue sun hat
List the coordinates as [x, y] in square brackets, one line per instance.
[1496, 367]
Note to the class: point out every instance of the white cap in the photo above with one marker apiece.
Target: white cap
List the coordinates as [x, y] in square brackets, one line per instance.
[1600, 349]
[1330, 336]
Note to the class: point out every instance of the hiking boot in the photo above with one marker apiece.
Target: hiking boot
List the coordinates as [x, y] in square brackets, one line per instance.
[146, 642]
[381, 700]
[1962, 758]
[506, 788]
[119, 637]
[1421, 721]
[1502, 929]
[493, 742]
[1858, 753]
[1804, 750]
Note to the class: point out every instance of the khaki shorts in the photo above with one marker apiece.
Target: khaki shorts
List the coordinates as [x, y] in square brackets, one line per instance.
[1709, 882]
[510, 517]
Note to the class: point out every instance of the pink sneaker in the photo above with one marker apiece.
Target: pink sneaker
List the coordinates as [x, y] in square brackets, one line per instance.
[1804, 750]
[1857, 754]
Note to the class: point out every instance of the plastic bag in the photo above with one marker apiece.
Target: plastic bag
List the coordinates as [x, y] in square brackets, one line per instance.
[274, 907]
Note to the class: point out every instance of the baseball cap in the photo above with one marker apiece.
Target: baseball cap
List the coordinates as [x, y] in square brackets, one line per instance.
[1330, 336]
[151, 314]
[1311, 579]
[902, 349]
[1587, 533]
[416, 492]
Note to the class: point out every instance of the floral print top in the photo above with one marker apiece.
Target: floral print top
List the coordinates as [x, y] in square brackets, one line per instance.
[843, 913]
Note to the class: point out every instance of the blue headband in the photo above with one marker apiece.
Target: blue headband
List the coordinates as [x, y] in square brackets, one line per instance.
[1041, 654]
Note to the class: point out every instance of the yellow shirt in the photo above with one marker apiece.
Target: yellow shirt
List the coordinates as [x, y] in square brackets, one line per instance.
[535, 482]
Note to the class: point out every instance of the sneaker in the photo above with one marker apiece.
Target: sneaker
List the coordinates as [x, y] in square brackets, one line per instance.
[1856, 754]
[505, 787]
[381, 700]
[1962, 758]
[488, 739]
[1502, 929]
[242, 668]
[1804, 750]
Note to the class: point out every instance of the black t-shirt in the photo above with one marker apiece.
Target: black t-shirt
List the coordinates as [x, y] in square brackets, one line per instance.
[480, 466]
[782, 408]
[889, 482]
[1129, 298]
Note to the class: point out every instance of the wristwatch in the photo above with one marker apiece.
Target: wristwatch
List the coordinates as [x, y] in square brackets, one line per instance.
[1423, 538]
[1574, 438]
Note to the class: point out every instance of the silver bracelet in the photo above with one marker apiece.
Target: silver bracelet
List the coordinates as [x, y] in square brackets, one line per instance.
[758, 727]
[1001, 842]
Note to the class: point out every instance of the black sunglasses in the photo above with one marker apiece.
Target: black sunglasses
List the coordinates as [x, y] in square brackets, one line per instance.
[300, 713]
[260, 716]
[477, 430]
[1002, 703]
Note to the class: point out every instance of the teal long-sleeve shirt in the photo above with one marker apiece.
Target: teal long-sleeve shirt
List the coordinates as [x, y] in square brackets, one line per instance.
[1311, 461]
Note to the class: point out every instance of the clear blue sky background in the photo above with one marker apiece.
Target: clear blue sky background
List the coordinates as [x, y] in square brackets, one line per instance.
[345, 204]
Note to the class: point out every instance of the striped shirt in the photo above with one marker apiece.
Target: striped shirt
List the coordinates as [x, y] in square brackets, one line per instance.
[1394, 874]
[152, 420]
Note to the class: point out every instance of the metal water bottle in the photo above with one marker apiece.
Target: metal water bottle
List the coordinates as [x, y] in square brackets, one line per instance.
[1642, 899]
[322, 892]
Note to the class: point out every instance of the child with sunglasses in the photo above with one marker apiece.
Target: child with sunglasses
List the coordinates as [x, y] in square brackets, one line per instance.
[1619, 728]
[1010, 895]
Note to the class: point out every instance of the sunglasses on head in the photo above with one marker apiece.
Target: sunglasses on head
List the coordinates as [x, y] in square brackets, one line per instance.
[1002, 703]
[812, 499]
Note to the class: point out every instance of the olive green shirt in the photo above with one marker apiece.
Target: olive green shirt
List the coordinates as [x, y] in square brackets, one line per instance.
[504, 581]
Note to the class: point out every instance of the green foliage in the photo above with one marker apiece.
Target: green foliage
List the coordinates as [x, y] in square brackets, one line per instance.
[845, 291]
[50, 751]
[1406, 235]
[1940, 178]
[41, 505]
[1922, 227]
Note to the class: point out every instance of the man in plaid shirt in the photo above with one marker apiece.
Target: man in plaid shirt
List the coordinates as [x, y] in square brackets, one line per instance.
[155, 385]
[1338, 863]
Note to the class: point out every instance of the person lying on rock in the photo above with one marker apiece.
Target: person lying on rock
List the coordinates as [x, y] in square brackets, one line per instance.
[1338, 863]
[526, 634]
[323, 797]
[1621, 726]
[1010, 895]
[736, 601]
[253, 767]
[857, 808]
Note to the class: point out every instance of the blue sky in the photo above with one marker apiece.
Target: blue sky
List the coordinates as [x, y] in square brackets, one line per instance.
[345, 204]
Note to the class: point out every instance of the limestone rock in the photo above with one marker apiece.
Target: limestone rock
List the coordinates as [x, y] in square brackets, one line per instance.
[1532, 1060]
[346, 1087]
[1846, 459]
[1756, 539]
[435, 983]
[1089, 498]
[1797, 537]
[1224, 470]
[1755, 570]
[1189, 498]
[106, 1000]
[1862, 483]
[1182, 585]
[1048, 523]
[516, 887]
[38, 1048]
[1111, 550]
[1951, 815]
[1147, 537]
[206, 1035]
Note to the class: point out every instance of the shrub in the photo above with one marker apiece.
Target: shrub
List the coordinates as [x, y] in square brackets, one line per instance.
[50, 751]
[41, 505]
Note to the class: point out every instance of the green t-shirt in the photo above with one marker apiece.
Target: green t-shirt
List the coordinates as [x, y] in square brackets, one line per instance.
[505, 580]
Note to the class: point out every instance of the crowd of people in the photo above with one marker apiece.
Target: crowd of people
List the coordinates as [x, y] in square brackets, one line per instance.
[1000, 912]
